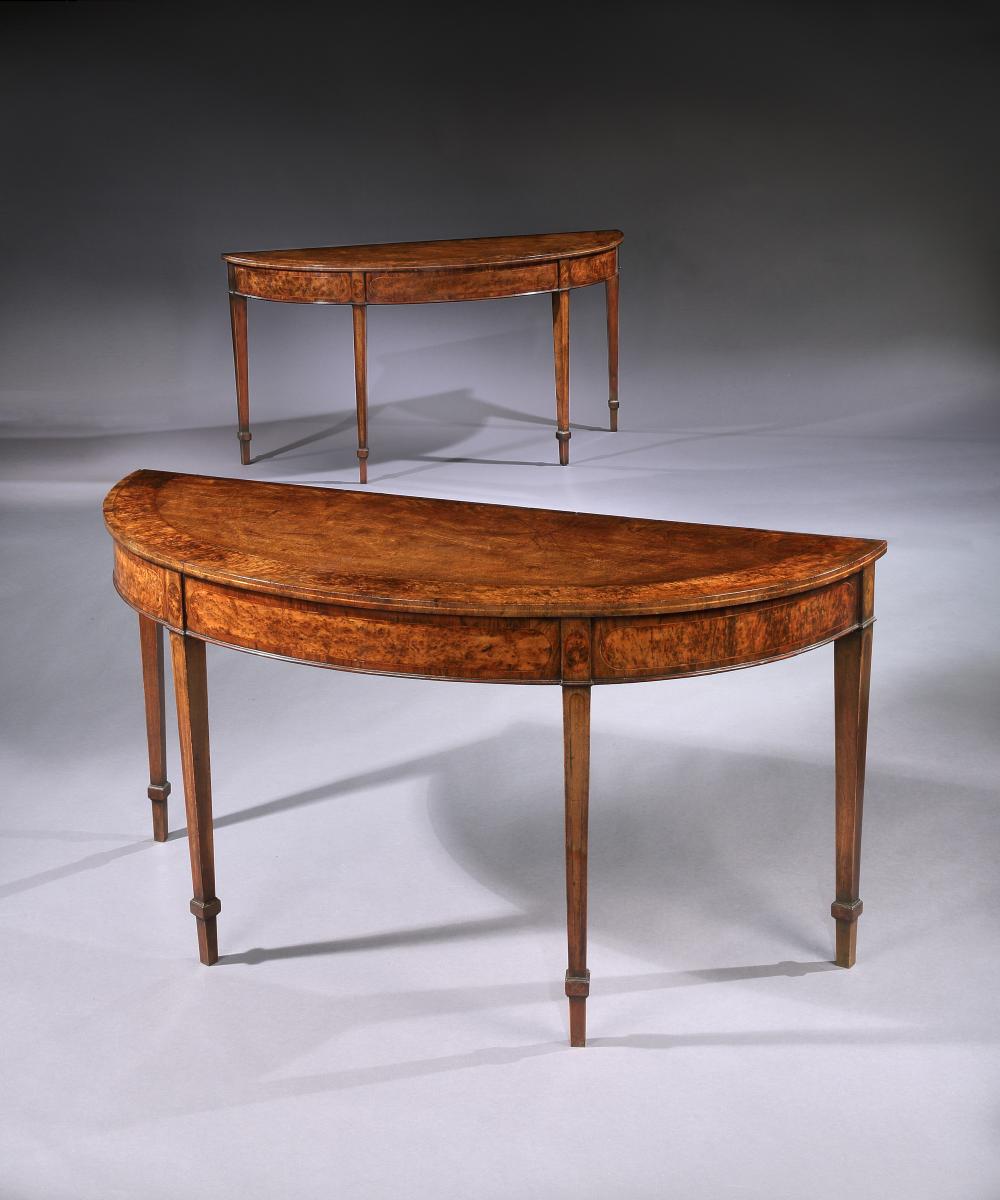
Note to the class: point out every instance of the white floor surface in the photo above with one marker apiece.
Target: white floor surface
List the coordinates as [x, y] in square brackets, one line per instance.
[387, 1019]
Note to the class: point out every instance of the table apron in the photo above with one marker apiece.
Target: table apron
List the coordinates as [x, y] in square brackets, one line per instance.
[150, 589]
[293, 287]
[473, 648]
[425, 286]
[674, 644]
[493, 649]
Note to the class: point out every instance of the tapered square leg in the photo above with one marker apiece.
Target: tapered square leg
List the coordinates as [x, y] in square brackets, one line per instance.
[576, 755]
[852, 672]
[151, 650]
[191, 688]
[611, 297]
[361, 385]
[560, 344]
[238, 317]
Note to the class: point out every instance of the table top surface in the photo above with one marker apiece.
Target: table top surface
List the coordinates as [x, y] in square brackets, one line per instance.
[416, 256]
[372, 550]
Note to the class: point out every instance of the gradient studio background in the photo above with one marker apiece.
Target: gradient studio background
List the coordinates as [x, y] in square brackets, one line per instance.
[809, 195]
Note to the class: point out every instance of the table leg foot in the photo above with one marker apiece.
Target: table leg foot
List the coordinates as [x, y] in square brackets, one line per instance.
[158, 793]
[847, 943]
[577, 991]
[206, 912]
[578, 1022]
[563, 436]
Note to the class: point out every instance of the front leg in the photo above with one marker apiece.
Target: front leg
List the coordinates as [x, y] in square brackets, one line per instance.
[191, 687]
[560, 345]
[852, 670]
[576, 752]
[611, 299]
[151, 650]
[361, 385]
[238, 318]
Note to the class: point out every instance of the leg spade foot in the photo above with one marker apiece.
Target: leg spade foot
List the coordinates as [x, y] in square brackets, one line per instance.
[846, 916]
[577, 991]
[191, 687]
[205, 912]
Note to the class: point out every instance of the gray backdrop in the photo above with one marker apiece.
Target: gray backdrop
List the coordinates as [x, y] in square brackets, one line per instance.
[809, 317]
[808, 194]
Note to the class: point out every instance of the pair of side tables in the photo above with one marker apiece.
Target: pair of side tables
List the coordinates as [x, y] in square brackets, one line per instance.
[439, 589]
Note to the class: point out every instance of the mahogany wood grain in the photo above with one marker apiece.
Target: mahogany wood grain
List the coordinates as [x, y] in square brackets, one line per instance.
[466, 283]
[595, 268]
[426, 273]
[150, 589]
[487, 593]
[450, 252]
[151, 653]
[191, 691]
[293, 287]
[611, 300]
[414, 553]
[678, 644]
[477, 649]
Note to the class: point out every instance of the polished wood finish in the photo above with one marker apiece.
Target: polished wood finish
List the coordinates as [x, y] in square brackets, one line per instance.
[426, 273]
[487, 593]
[512, 251]
[720, 639]
[415, 554]
[291, 287]
[150, 589]
[478, 649]
[151, 653]
[191, 692]
[470, 283]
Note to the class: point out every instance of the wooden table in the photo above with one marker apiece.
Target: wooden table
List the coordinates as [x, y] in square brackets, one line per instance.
[421, 273]
[446, 590]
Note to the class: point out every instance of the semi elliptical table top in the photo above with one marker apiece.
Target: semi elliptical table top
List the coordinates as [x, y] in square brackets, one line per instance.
[479, 592]
[424, 273]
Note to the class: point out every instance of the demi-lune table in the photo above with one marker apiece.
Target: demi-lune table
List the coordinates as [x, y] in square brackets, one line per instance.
[440, 589]
[421, 273]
